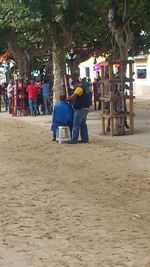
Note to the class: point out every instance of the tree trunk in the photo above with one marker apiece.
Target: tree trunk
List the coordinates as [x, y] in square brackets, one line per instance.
[28, 64]
[22, 57]
[23, 66]
[8, 73]
[74, 66]
[59, 70]
[124, 38]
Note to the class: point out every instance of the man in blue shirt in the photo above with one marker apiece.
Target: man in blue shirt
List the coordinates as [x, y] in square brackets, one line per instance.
[46, 96]
[62, 116]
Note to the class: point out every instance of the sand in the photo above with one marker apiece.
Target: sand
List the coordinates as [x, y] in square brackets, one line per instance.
[72, 205]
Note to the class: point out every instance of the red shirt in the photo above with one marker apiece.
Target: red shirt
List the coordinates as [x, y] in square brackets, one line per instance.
[32, 91]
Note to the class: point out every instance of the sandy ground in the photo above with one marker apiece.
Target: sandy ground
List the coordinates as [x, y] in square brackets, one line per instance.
[72, 205]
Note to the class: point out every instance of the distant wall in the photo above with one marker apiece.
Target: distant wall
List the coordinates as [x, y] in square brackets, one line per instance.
[142, 86]
[142, 91]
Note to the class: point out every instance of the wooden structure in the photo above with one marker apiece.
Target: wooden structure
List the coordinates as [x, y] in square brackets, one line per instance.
[117, 99]
[19, 99]
[96, 95]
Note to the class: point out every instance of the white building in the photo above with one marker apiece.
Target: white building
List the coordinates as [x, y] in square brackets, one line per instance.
[87, 68]
[142, 76]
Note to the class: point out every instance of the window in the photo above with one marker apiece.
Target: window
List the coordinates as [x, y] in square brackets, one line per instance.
[87, 72]
[141, 72]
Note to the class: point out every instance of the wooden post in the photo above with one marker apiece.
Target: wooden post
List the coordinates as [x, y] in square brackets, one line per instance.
[112, 94]
[131, 100]
[102, 102]
[111, 114]
[66, 86]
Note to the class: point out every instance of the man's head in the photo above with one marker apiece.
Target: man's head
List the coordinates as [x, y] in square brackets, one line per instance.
[45, 80]
[76, 83]
[84, 79]
[62, 97]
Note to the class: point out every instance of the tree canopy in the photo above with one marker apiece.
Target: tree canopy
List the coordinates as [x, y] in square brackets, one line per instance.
[79, 27]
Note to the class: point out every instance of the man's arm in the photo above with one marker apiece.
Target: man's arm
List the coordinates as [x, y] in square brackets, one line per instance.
[78, 92]
[71, 98]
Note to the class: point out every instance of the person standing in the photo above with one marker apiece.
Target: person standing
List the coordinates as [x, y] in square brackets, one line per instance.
[81, 105]
[9, 95]
[4, 94]
[45, 87]
[32, 91]
[71, 87]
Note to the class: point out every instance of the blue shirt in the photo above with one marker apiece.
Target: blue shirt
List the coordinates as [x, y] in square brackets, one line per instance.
[45, 89]
[62, 114]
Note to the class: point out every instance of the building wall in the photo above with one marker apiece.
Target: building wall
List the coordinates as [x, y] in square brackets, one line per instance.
[89, 64]
[142, 85]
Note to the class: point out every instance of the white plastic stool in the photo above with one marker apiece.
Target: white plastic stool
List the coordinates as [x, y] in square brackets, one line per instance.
[63, 134]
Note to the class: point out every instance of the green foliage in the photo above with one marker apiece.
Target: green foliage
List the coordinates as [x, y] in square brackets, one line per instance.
[73, 24]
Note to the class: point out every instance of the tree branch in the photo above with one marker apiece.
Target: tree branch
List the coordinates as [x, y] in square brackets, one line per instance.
[131, 15]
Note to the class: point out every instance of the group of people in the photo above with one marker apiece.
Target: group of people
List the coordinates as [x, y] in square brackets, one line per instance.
[34, 90]
[36, 95]
[70, 111]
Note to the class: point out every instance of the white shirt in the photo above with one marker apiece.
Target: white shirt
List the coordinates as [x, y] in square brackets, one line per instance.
[70, 83]
[9, 90]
